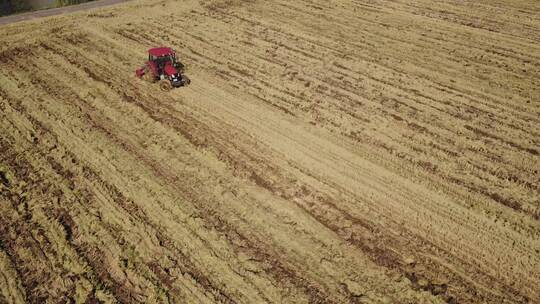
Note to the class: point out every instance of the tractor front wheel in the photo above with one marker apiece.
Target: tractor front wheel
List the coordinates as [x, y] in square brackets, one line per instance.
[165, 85]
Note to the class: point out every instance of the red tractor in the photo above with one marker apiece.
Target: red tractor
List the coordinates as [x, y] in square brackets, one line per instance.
[163, 66]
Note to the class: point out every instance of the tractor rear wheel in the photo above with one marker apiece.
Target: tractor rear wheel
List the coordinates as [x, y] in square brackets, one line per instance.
[165, 85]
[148, 76]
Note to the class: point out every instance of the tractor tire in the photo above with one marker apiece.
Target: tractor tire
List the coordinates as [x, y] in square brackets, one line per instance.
[148, 76]
[165, 85]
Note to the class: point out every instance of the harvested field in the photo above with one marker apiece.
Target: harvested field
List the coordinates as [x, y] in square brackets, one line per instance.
[382, 151]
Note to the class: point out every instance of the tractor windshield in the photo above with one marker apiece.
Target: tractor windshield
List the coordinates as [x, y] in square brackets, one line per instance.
[164, 59]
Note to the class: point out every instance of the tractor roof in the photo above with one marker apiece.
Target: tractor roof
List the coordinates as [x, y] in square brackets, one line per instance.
[160, 51]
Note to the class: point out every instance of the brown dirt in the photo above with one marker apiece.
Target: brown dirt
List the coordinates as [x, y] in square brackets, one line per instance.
[325, 152]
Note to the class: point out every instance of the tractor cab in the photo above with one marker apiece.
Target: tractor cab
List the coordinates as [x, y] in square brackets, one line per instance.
[162, 57]
[160, 52]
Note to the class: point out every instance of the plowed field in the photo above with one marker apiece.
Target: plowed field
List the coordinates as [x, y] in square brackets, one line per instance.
[382, 151]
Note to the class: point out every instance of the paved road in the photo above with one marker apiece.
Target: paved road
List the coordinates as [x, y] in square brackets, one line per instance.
[57, 11]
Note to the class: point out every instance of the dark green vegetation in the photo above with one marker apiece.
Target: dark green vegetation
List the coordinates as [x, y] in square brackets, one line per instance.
[8, 7]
